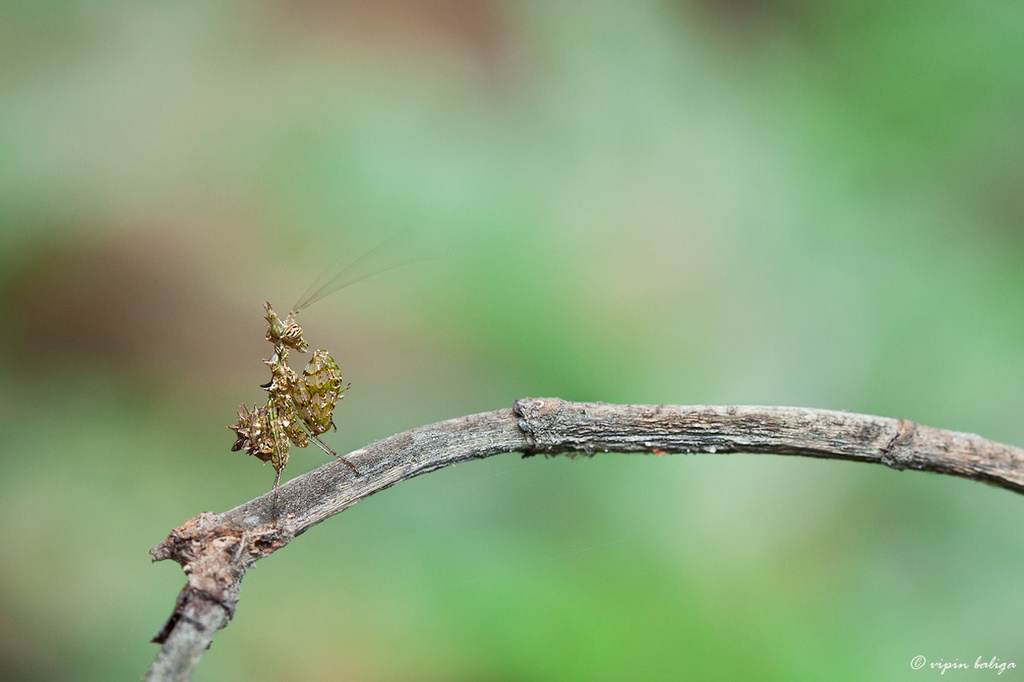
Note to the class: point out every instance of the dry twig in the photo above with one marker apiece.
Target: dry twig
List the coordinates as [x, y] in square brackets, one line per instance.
[215, 550]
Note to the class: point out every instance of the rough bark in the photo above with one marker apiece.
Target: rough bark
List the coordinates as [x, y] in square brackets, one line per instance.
[215, 550]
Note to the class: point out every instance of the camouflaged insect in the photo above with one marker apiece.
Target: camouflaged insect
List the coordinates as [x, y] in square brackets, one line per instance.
[298, 408]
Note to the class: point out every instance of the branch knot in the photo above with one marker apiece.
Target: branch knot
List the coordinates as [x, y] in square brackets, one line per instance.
[899, 453]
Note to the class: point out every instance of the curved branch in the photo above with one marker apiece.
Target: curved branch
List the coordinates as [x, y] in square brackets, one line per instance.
[215, 550]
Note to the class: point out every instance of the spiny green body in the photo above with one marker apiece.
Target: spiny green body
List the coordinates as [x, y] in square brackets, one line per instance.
[298, 408]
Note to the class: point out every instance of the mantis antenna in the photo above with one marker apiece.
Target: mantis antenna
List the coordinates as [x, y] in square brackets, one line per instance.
[389, 254]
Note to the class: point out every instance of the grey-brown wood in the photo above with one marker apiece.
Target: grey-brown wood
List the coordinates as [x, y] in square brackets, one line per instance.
[215, 550]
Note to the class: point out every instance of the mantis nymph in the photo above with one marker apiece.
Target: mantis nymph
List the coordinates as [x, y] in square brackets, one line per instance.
[300, 408]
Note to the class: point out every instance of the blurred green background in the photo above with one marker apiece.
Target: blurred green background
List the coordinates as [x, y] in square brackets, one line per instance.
[722, 201]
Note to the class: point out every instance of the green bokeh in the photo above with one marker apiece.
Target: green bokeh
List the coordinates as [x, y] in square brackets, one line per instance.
[790, 203]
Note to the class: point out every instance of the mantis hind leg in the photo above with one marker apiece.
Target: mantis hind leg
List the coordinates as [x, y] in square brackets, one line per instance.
[332, 453]
[276, 491]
